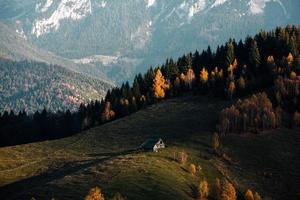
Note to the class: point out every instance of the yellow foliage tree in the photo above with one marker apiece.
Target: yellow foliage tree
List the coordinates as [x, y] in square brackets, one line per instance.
[249, 195]
[203, 190]
[193, 169]
[227, 191]
[293, 75]
[257, 196]
[290, 59]
[159, 85]
[189, 78]
[204, 75]
[94, 194]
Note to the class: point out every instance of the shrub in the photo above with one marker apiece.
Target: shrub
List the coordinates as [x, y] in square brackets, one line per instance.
[227, 191]
[203, 190]
[182, 157]
[193, 169]
[249, 195]
[118, 196]
[257, 196]
[95, 194]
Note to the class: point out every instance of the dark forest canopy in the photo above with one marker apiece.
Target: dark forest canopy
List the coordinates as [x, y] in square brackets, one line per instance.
[235, 69]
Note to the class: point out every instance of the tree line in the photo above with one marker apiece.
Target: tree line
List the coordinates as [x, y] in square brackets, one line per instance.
[234, 69]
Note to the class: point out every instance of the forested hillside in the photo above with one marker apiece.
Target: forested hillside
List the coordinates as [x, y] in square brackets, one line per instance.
[33, 86]
[236, 69]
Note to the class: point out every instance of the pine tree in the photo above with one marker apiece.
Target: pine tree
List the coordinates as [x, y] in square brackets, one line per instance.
[136, 89]
[254, 55]
[229, 53]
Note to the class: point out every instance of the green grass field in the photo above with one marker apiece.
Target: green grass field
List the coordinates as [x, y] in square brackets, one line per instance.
[69, 167]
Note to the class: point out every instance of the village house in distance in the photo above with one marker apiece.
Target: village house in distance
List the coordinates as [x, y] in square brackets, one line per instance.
[153, 144]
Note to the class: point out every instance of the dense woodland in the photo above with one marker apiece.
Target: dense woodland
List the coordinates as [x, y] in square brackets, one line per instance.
[268, 61]
[33, 86]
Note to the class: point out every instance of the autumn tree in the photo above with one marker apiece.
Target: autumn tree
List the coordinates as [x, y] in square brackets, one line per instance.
[193, 169]
[160, 85]
[107, 114]
[249, 195]
[215, 141]
[203, 190]
[257, 196]
[231, 89]
[94, 194]
[227, 191]
[203, 75]
[189, 78]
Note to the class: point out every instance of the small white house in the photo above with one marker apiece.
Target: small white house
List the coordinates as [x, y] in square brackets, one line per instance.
[153, 144]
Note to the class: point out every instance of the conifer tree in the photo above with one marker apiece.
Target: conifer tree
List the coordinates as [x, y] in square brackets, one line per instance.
[254, 55]
[229, 53]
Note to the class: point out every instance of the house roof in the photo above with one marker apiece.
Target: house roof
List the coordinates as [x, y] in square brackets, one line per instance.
[149, 143]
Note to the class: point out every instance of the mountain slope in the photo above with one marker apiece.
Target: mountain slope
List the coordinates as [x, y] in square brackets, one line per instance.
[69, 167]
[145, 31]
[15, 46]
[33, 86]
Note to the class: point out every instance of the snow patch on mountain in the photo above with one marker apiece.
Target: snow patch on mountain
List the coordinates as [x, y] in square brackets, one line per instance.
[197, 7]
[67, 9]
[258, 6]
[104, 59]
[102, 4]
[218, 3]
[150, 3]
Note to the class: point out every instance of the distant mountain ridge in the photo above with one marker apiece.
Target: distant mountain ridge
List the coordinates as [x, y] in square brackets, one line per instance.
[144, 32]
[44, 80]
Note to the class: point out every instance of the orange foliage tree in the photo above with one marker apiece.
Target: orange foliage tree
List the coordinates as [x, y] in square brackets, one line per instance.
[94, 194]
[203, 75]
[203, 190]
[160, 85]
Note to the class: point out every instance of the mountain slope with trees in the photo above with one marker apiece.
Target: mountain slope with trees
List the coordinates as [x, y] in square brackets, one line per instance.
[234, 70]
[32, 86]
